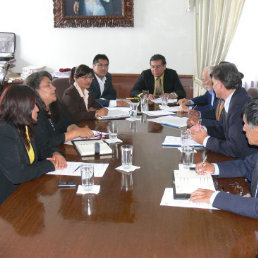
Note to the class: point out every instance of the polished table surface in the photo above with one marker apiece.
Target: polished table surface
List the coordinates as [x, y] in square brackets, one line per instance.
[41, 220]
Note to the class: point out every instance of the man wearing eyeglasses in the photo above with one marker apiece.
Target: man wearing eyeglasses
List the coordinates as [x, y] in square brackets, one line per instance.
[101, 88]
[159, 80]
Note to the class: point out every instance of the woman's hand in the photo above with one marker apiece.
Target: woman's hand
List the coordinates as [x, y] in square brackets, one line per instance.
[101, 112]
[58, 161]
[85, 132]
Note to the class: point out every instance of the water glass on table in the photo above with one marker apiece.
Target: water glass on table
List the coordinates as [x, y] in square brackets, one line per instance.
[187, 157]
[185, 138]
[87, 175]
[164, 101]
[134, 109]
[126, 156]
[113, 130]
[144, 104]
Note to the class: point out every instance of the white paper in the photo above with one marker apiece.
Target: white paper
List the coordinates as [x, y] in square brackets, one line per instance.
[163, 112]
[95, 190]
[175, 141]
[173, 121]
[170, 109]
[116, 112]
[112, 141]
[96, 136]
[158, 101]
[132, 168]
[99, 169]
[168, 200]
[188, 181]
[87, 148]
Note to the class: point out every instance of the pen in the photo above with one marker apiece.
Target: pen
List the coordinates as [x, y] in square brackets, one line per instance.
[204, 160]
[76, 169]
[133, 98]
[100, 103]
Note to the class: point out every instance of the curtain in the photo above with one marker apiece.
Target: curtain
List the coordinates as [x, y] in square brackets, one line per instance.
[243, 49]
[215, 25]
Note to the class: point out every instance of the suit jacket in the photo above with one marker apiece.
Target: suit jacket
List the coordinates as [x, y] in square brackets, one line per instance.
[15, 167]
[247, 168]
[48, 136]
[171, 83]
[205, 100]
[228, 137]
[75, 105]
[108, 93]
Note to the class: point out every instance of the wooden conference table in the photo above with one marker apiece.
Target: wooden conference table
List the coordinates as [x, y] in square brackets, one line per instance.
[41, 220]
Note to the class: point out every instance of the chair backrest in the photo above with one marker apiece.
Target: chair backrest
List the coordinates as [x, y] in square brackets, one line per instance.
[61, 85]
[253, 92]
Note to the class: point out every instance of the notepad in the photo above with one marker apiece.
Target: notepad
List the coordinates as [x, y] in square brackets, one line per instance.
[91, 147]
[173, 121]
[174, 141]
[115, 113]
[187, 181]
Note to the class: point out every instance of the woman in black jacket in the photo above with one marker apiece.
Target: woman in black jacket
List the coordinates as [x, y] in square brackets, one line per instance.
[54, 127]
[19, 159]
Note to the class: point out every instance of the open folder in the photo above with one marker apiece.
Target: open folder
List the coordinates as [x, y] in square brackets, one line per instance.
[91, 147]
[187, 181]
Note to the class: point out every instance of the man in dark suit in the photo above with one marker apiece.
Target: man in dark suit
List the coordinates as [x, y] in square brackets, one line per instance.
[159, 80]
[208, 101]
[227, 137]
[247, 168]
[101, 88]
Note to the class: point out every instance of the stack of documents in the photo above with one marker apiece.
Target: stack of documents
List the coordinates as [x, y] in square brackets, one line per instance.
[174, 141]
[163, 112]
[173, 121]
[168, 200]
[158, 101]
[115, 113]
[187, 181]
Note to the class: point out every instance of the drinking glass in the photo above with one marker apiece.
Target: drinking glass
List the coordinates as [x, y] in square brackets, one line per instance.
[87, 174]
[126, 156]
[112, 130]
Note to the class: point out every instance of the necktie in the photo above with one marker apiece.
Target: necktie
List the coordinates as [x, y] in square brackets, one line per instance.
[159, 89]
[219, 109]
[254, 183]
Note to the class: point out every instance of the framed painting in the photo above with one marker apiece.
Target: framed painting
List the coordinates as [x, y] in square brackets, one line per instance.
[93, 13]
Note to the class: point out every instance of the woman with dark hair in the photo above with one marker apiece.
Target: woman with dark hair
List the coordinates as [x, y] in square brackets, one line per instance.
[54, 127]
[19, 159]
[77, 100]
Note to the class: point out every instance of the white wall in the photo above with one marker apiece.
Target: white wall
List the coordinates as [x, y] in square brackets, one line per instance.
[161, 26]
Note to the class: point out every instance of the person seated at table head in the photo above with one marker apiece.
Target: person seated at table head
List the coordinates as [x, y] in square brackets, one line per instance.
[101, 88]
[226, 138]
[19, 156]
[159, 80]
[77, 99]
[208, 101]
[247, 168]
[54, 127]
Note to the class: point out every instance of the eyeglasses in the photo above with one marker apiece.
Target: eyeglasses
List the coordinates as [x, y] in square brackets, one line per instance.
[156, 67]
[87, 77]
[102, 65]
